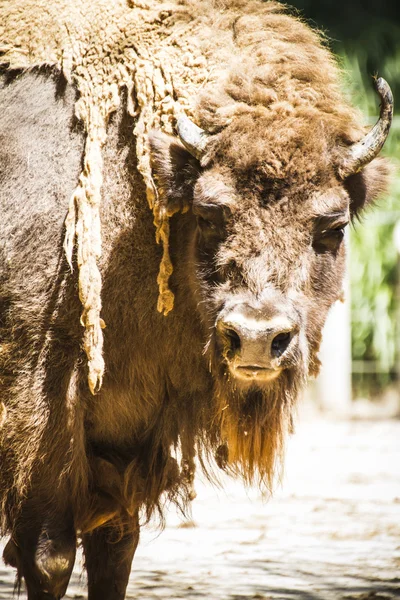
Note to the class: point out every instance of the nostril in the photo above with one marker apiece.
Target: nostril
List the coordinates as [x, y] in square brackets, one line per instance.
[233, 339]
[280, 343]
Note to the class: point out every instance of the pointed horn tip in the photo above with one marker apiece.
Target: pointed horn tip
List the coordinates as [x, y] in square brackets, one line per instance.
[382, 86]
[182, 123]
[193, 137]
[185, 126]
[364, 151]
[383, 89]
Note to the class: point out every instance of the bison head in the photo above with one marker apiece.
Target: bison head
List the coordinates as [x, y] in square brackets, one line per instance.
[270, 205]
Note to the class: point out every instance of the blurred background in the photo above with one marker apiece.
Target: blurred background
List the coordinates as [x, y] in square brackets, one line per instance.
[361, 350]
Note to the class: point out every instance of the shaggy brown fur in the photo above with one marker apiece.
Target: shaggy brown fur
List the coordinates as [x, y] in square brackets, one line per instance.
[259, 227]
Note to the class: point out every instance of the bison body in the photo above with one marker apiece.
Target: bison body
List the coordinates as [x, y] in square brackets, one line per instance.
[204, 355]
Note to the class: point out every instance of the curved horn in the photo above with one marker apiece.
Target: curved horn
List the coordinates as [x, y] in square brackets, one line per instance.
[192, 137]
[362, 152]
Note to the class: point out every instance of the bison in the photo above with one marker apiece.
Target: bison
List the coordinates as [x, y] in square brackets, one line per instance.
[123, 359]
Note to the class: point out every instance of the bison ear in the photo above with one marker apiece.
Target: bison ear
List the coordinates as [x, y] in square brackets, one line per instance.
[368, 184]
[175, 171]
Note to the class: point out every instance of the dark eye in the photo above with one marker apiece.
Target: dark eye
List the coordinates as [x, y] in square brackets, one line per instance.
[329, 240]
[210, 219]
[206, 224]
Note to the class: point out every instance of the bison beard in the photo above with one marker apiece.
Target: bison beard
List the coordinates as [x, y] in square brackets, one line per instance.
[254, 425]
[253, 422]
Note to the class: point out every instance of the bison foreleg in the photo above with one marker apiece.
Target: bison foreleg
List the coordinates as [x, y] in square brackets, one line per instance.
[44, 555]
[108, 556]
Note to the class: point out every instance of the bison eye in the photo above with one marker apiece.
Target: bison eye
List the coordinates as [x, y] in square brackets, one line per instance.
[206, 224]
[329, 240]
[210, 220]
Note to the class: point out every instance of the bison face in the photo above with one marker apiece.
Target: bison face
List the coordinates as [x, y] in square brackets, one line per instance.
[268, 255]
[268, 258]
[269, 264]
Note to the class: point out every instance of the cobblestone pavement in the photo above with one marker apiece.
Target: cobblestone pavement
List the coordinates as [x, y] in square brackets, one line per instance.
[331, 532]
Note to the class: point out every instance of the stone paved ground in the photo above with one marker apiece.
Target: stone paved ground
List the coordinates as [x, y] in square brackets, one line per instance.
[331, 532]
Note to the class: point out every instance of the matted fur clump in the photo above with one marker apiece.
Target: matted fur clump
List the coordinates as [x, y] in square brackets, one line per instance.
[216, 61]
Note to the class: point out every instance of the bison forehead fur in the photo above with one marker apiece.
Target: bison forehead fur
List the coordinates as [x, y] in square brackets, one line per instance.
[250, 259]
